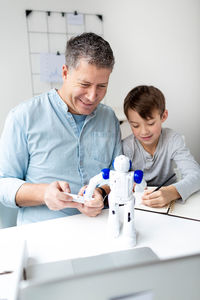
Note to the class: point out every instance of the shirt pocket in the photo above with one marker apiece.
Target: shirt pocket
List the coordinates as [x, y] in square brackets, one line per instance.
[103, 147]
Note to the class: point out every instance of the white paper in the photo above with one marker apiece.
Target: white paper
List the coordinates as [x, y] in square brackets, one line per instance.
[73, 19]
[51, 67]
[190, 209]
[76, 198]
[139, 205]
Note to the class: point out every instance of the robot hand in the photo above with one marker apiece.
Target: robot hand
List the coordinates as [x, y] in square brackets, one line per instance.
[93, 183]
[139, 188]
[102, 177]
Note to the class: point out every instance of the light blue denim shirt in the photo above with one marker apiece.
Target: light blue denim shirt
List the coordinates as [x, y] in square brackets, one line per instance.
[41, 143]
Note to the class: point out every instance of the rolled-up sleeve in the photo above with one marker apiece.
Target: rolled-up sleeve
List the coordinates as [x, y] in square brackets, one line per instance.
[14, 159]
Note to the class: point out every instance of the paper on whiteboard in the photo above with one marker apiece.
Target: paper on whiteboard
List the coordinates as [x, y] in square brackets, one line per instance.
[51, 67]
[73, 19]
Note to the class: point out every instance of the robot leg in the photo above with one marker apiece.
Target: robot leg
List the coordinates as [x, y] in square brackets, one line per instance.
[129, 232]
[113, 218]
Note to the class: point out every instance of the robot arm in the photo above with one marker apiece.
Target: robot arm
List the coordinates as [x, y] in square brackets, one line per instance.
[94, 181]
[140, 182]
[139, 188]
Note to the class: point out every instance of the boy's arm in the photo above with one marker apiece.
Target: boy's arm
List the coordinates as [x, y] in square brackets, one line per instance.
[188, 168]
[160, 198]
[189, 183]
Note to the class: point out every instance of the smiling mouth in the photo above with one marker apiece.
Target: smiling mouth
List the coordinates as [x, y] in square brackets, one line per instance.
[85, 104]
[146, 137]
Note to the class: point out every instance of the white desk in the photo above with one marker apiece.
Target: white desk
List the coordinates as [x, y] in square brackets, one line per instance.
[80, 236]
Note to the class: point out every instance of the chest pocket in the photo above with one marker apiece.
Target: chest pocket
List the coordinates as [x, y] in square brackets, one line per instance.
[103, 146]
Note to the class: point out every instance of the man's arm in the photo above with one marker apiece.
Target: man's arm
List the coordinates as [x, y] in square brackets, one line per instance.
[14, 162]
[52, 195]
[15, 191]
[30, 194]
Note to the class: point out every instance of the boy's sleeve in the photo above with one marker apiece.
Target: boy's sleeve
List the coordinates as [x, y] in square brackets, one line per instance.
[187, 166]
[128, 147]
[13, 160]
[118, 144]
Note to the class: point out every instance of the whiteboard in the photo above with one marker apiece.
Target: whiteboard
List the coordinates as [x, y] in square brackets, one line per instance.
[48, 32]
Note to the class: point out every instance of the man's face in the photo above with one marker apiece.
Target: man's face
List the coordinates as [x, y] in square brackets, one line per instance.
[84, 87]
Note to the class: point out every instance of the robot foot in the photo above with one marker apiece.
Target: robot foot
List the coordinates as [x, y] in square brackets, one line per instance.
[129, 241]
[114, 227]
[113, 232]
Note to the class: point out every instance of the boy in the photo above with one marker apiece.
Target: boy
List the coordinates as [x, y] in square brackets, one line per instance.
[154, 149]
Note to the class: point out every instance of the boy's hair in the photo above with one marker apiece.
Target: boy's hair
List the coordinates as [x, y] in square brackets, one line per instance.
[144, 100]
[92, 47]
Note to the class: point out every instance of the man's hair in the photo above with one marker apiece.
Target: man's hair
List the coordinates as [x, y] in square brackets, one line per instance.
[92, 47]
[144, 100]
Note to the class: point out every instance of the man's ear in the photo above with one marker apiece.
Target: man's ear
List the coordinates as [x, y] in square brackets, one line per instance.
[164, 116]
[64, 72]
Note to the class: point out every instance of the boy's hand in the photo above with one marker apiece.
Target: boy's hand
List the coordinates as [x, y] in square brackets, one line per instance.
[161, 197]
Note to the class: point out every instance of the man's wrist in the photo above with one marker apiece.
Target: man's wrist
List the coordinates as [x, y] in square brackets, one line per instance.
[104, 196]
[103, 192]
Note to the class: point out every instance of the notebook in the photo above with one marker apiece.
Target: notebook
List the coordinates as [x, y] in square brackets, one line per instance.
[188, 210]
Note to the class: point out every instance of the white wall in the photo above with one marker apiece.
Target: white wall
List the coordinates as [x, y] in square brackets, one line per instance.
[155, 42]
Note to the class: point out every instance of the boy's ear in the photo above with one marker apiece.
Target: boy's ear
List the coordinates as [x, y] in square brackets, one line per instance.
[164, 116]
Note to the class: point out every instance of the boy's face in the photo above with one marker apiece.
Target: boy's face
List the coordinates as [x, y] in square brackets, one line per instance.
[147, 131]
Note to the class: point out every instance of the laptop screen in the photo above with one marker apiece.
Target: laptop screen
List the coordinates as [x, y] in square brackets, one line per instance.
[153, 279]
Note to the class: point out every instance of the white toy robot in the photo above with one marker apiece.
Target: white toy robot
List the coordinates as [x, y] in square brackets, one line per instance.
[121, 183]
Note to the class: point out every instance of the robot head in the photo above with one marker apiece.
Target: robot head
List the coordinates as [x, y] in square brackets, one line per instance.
[122, 164]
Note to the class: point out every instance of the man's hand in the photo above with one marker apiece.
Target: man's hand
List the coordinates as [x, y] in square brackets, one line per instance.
[93, 207]
[161, 197]
[54, 196]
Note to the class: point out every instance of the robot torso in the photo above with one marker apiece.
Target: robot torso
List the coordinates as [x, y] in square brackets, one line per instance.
[121, 185]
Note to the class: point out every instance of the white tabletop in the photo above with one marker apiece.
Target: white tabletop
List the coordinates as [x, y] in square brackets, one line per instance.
[79, 236]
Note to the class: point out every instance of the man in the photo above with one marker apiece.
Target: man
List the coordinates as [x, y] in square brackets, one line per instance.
[55, 142]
